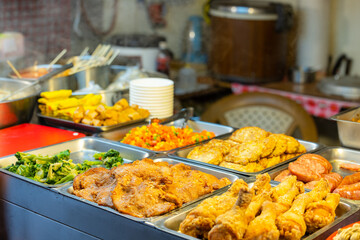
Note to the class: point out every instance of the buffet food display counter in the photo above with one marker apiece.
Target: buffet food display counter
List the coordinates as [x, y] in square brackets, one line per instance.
[162, 180]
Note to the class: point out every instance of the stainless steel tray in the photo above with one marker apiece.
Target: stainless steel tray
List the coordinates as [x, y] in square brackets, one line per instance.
[172, 222]
[81, 149]
[335, 155]
[349, 131]
[58, 122]
[67, 190]
[182, 153]
[198, 126]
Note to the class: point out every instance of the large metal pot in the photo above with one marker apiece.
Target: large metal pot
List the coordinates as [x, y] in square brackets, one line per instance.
[20, 108]
[66, 82]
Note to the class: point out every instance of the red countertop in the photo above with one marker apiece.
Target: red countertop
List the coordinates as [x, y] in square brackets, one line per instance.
[28, 136]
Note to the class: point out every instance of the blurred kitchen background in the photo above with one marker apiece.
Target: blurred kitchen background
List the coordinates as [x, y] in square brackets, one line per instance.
[320, 42]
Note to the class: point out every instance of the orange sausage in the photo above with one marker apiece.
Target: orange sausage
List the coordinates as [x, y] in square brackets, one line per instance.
[281, 177]
[350, 166]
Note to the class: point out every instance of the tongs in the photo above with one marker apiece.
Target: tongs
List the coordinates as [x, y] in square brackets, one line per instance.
[42, 79]
[185, 113]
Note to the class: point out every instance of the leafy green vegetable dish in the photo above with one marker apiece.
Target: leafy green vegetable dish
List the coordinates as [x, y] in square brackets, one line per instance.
[59, 168]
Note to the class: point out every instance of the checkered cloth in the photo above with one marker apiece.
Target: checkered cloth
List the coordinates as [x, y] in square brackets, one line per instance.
[316, 106]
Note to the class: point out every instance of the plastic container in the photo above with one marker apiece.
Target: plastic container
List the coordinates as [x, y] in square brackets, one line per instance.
[163, 58]
[187, 78]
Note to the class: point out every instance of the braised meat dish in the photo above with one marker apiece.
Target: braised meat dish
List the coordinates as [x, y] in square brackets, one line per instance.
[145, 188]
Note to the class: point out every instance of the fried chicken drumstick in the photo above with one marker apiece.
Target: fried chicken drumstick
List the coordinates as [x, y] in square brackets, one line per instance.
[292, 224]
[263, 226]
[319, 214]
[202, 218]
[233, 223]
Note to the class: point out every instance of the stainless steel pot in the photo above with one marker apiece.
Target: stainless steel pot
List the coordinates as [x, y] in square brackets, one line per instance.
[67, 82]
[20, 108]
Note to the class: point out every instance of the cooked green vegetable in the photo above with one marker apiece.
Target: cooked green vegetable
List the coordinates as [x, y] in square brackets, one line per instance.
[110, 158]
[59, 168]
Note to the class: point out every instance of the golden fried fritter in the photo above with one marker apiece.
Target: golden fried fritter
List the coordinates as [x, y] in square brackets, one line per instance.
[251, 167]
[206, 154]
[249, 134]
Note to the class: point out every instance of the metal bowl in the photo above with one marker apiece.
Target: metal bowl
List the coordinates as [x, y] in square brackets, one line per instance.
[20, 108]
[66, 82]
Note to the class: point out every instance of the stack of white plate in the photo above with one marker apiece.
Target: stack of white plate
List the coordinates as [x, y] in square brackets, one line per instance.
[153, 94]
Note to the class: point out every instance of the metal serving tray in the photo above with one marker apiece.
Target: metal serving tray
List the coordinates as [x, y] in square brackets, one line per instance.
[183, 152]
[84, 127]
[198, 126]
[336, 156]
[67, 190]
[81, 149]
[349, 131]
[172, 222]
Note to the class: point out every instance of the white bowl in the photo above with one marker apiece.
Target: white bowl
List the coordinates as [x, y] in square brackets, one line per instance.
[151, 82]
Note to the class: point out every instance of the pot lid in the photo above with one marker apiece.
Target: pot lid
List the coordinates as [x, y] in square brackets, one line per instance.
[243, 7]
[345, 86]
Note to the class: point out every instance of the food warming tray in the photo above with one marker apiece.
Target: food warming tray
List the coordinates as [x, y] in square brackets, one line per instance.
[336, 156]
[183, 152]
[348, 130]
[172, 222]
[67, 190]
[81, 149]
[198, 126]
[58, 122]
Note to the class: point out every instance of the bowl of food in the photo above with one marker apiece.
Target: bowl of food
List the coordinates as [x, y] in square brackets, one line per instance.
[18, 108]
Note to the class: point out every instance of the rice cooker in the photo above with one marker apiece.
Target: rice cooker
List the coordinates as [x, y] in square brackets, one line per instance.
[249, 40]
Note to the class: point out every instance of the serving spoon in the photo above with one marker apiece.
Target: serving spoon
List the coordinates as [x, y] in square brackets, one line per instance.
[42, 79]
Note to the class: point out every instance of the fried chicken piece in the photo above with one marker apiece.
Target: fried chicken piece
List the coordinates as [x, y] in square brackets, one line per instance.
[143, 195]
[263, 226]
[188, 185]
[269, 146]
[145, 188]
[262, 184]
[233, 224]
[292, 145]
[95, 185]
[245, 153]
[251, 167]
[249, 134]
[292, 224]
[202, 218]
[319, 214]
[283, 188]
[206, 154]
[223, 145]
[285, 201]
[228, 223]
[281, 145]
[140, 198]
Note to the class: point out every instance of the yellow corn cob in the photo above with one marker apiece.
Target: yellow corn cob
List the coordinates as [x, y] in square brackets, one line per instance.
[68, 103]
[56, 94]
[46, 101]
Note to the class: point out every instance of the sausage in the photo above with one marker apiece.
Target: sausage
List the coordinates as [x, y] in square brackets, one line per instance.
[354, 178]
[351, 191]
[281, 177]
[334, 180]
[319, 158]
[350, 167]
[309, 167]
